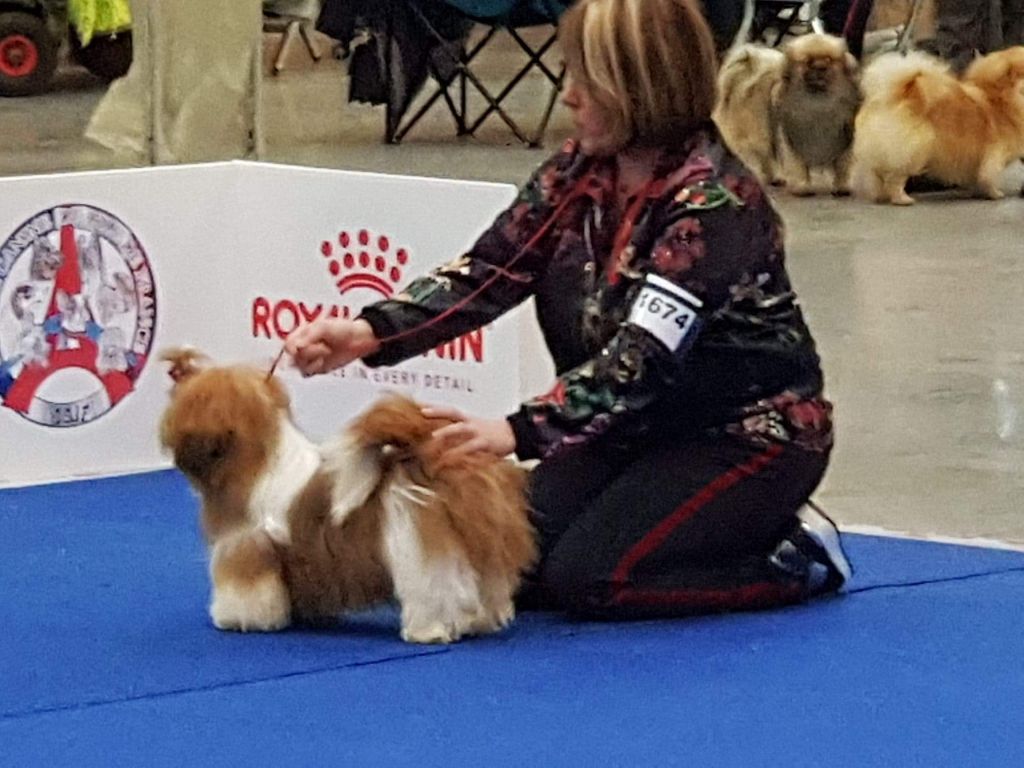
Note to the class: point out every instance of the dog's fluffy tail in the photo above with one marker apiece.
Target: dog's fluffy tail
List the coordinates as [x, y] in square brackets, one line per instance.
[916, 80]
[396, 421]
[357, 459]
[744, 69]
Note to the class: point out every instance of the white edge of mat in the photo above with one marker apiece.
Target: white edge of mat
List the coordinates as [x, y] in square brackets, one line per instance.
[13, 484]
[865, 530]
[973, 541]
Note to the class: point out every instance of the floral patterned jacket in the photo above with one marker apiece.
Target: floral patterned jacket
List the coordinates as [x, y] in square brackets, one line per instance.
[671, 319]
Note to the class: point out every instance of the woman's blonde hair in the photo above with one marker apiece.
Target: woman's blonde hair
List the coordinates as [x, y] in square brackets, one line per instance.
[650, 63]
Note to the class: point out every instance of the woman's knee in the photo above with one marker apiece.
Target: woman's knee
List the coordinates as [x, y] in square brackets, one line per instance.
[560, 488]
[572, 583]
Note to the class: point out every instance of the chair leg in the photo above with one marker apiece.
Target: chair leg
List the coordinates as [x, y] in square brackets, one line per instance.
[457, 111]
[814, 14]
[489, 97]
[792, 21]
[494, 102]
[306, 30]
[463, 103]
[286, 42]
[537, 60]
[399, 125]
[537, 139]
[907, 35]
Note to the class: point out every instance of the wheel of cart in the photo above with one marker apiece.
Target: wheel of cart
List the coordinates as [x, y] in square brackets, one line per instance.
[28, 51]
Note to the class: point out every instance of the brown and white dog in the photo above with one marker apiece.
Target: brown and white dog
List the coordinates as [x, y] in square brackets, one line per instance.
[303, 532]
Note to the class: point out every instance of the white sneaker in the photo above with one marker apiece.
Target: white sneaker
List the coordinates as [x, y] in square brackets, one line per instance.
[821, 541]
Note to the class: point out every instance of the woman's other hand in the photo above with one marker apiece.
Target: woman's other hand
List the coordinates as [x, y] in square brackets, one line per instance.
[329, 343]
[471, 435]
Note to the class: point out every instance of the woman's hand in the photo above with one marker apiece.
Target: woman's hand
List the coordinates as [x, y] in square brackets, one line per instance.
[328, 343]
[470, 435]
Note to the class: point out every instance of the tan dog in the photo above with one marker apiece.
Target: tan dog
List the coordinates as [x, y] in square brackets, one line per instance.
[299, 532]
[747, 83]
[918, 118]
[816, 105]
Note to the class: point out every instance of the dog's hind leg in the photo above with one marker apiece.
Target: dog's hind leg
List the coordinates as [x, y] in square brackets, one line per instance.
[440, 600]
[438, 589]
[498, 609]
[249, 592]
[893, 190]
[799, 182]
[866, 184]
[841, 175]
[795, 171]
[989, 176]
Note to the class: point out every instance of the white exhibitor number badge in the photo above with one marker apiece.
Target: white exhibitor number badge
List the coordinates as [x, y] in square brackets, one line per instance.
[665, 310]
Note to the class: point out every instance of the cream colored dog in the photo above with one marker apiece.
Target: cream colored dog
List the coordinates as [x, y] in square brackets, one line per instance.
[919, 118]
[299, 532]
[747, 83]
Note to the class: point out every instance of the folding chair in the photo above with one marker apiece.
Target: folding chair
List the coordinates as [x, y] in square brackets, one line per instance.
[902, 36]
[508, 16]
[786, 18]
[292, 18]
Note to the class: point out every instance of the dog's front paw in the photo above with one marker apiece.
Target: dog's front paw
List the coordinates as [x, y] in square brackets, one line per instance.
[261, 607]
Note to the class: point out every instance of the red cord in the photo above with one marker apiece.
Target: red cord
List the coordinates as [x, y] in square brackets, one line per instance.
[499, 272]
[273, 365]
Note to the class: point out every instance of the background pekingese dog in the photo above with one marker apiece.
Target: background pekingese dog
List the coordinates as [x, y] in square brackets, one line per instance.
[816, 104]
[299, 532]
[919, 118]
[747, 83]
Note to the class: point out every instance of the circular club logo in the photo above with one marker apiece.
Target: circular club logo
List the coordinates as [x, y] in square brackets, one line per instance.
[77, 313]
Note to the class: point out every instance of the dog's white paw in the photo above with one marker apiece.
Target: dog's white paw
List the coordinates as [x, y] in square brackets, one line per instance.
[263, 607]
[434, 633]
[478, 622]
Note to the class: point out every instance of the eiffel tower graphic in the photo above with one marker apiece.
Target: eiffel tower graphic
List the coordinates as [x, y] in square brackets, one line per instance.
[68, 349]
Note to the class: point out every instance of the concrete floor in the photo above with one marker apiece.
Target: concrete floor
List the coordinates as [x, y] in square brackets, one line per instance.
[917, 312]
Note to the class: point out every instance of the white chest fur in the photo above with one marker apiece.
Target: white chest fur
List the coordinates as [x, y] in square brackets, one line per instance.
[288, 470]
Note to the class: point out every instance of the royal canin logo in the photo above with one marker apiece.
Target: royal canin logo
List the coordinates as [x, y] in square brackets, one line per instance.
[363, 268]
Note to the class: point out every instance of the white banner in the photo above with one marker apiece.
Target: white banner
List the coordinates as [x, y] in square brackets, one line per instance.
[99, 271]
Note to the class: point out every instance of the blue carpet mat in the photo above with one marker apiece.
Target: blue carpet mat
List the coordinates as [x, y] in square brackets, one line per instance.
[105, 586]
[107, 658]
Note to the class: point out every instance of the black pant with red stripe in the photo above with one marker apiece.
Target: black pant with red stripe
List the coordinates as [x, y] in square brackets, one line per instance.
[668, 530]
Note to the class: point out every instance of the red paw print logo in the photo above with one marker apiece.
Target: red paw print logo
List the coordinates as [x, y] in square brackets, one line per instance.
[364, 261]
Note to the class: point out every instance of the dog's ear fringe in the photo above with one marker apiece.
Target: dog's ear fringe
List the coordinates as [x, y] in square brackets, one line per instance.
[184, 362]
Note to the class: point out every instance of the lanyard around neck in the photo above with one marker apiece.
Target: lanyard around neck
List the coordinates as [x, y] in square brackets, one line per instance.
[624, 234]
